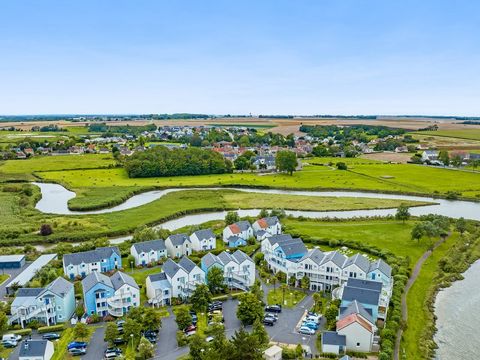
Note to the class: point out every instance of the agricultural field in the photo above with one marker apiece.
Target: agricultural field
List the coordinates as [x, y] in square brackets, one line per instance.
[465, 133]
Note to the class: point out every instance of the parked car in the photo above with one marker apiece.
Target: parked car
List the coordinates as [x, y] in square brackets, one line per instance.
[112, 353]
[272, 315]
[310, 325]
[50, 336]
[190, 328]
[306, 330]
[9, 343]
[119, 341]
[312, 318]
[12, 337]
[114, 349]
[273, 308]
[150, 333]
[77, 345]
[77, 351]
[209, 339]
[194, 319]
[270, 318]
[268, 321]
[216, 305]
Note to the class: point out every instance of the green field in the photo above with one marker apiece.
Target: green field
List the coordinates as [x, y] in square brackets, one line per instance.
[471, 134]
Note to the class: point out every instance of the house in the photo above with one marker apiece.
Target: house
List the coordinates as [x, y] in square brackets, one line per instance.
[101, 259]
[242, 229]
[282, 253]
[367, 293]
[36, 350]
[356, 323]
[184, 276]
[158, 289]
[235, 241]
[238, 268]
[50, 305]
[429, 155]
[178, 245]
[262, 235]
[270, 225]
[380, 271]
[203, 240]
[274, 352]
[264, 162]
[114, 295]
[333, 343]
[148, 252]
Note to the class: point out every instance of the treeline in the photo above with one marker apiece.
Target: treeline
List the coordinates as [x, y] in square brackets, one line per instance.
[124, 129]
[160, 161]
[360, 133]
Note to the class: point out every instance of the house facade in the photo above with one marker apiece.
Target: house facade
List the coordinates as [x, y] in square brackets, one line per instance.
[178, 245]
[159, 289]
[271, 225]
[203, 240]
[183, 276]
[241, 229]
[113, 295]
[148, 252]
[102, 259]
[50, 305]
[367, 293]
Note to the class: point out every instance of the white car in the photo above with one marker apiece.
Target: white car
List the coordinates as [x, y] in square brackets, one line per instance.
[306, 330]
[315, 319]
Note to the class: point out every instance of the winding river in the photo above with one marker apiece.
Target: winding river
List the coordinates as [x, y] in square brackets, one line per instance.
[456, 307]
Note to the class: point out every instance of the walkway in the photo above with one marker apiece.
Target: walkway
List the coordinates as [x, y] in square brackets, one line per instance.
[411, 280]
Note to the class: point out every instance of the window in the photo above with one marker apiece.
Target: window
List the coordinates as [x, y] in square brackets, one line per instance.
[358, 344]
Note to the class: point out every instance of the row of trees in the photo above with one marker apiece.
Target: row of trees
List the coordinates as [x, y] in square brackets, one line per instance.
[160, 161]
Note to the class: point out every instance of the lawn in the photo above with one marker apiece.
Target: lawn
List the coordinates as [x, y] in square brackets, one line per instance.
[292, 297]
[472, 134]
[140, 276]
[3, 278]
[417, 310]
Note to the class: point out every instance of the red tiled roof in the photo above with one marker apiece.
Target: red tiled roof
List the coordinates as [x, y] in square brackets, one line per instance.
[234, 228]
[350, 319]
[262, 223]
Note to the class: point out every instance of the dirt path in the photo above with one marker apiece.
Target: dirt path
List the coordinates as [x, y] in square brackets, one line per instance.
[411, 281]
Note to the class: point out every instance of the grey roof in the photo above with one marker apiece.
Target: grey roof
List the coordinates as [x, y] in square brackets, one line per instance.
[178, 239]
[293, 246]
[159, 281]
[224, 257]
[355, 308]
[170, 267]
[243, 225]
[29, 292]
[60, 286]
[363, 296]
[9, 258]
[204, 234]
[235, 238]
[147, 246]
[240, 256]
[157, 277]
[365, 284]
[272, 220]
[316, 255]
[382, 266]
[358, 259]
[91, 256]
[336, 257]
[333, 338]
[93, 279]
[261, 232]
[26, 275]
[119, 279]
[209, 259]
[187, 264]
[35, 348]
[279, 238]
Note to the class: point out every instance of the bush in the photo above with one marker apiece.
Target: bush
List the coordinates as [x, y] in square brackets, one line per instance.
[53, 328]
[182, 340]
[46, 230]
[23, 332]
[341, 166]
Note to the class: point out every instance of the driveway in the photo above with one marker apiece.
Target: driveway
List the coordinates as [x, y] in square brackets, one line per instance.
[167, 348]
[96, 347]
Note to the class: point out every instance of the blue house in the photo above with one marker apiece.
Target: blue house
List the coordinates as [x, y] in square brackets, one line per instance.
[235, 241]
[365, 292]
[102, 259]
[380, 271]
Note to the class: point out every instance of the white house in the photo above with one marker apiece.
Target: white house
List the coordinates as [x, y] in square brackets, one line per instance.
[148, 252]
[333, 342]
[430, 155]
[36, 350]
[356, 323]
[270, 225]
[158, 289]
[178, 245]
[102, 259]
[184, 276]
[242, 229]
[203, 240]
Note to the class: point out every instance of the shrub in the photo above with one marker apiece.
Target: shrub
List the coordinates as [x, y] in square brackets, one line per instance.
[23, 332]
[46, 230]
[46, 329]
[182, 340]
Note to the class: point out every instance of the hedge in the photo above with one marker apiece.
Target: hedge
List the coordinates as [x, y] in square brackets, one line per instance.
[220, 297]
[46, 329]
[23, 332]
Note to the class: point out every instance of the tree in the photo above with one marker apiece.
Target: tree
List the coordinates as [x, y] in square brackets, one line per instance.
[130, 261]
[317, 298]
[3, 322]
[200, 298]
[131, 327]
[461, 225]
[242, 163]
[245, 346]
[197, 347]
[215, 280]
[220, 347]
[263, 214]
[231, 217]
[417, 232]
[111, 332]
[152, 320]
[286, 161]
[45, 230]
[331, 315]
[443, 157]
[305, 283]
[146, 349]
[249, 309]
[402, 213]
[260, 333]
[144, 233]
[80, 331]
[457, 161]
[257, 290]
[183, 318]
[342, 166]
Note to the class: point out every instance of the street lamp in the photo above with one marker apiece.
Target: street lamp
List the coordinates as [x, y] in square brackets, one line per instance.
[131, 265]
[131, 337]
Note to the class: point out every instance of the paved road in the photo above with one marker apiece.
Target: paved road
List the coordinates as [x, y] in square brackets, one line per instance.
[13, 274]
[96, 347]
[167, 348]
[411, 280]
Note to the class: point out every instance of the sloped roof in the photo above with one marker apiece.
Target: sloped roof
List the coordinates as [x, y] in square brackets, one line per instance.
[354, 318]
[271, 220]
[147, 246]
[210, 259]
[240, 256]
[336, 257]
[59, 286]
[93, 279]
[170, 267]
[242, 225]
[204, 234]
[333, 338]
[234, 228]
[159, 281]
[279, 238]
[292, 247]
[29, 292]
[364, 296]
[382, 266]
[33, 348]
[365, 284]
[358, 259]
[119, 279]
[355, 308]
[187, 264]
[224, 257]
[316, 255]
[178, 239]
[90, 256]
[262, 223]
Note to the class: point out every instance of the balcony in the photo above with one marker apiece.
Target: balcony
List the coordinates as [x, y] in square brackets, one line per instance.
[117, 303]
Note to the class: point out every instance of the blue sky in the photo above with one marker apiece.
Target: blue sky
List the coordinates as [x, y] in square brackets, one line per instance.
[262, 56]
